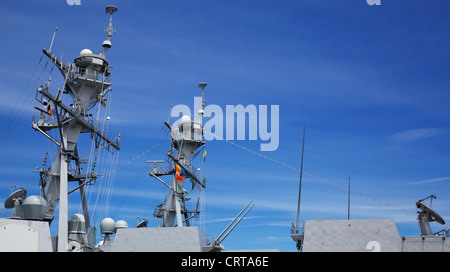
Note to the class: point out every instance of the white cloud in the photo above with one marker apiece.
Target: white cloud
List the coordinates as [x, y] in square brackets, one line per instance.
[432, 180]
[413, 135]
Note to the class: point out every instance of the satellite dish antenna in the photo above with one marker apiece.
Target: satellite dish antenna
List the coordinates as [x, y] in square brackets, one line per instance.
[142, 224]
[15, 201]
[18, 195]
[432, 216]
[427, 215]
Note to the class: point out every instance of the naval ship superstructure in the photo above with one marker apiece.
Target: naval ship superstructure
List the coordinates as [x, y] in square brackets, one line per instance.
[368, 235]
[87, 82]
[371, 235]
[174, 232]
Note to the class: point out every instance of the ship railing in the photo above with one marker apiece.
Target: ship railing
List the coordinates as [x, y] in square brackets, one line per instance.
[93, 122]
[168, 169]
[295, 230]
[443, 233]
[47, 120]
[82, 73]
[161, 170]
[193, 170]
[298, 236]
[44, 123]
[159, 210]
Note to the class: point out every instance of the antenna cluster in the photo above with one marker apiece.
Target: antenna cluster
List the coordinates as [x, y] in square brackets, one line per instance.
[109, 30]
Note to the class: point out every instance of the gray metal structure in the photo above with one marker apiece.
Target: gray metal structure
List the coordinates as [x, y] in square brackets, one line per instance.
[187, 239]
[351, 235]
[175, 232]
[427, 215]
[21, 235]
[370, 235]
[86, 82]
[364, 235]
[186, 144]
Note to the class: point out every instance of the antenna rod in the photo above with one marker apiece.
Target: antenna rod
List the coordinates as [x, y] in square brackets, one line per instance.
[51, 44]
[232, 228]
[348, 198]
[170, 113]
[300, 185]
[229, 225]
[203, 85]
[109, 30]
[201, 111]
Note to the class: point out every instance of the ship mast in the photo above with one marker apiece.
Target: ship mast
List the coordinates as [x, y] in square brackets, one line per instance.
[86, 80]
[186, 143]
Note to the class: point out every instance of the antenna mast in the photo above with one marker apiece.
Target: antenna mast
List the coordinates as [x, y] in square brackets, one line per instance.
[300, 185]
[53, 38]
[86, 80]
[348, 212]
[201, 111]
[187, 138]
[109, 30]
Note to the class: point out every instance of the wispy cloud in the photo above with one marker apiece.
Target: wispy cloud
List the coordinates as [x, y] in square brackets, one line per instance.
[432, 180]
[413, 135]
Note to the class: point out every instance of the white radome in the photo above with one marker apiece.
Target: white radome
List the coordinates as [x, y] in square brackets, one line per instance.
[86, 52]
[185, 119]
[121, 224]
[107, 226]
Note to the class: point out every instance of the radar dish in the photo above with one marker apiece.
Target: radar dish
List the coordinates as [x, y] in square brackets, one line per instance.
[111, 9]
[19, 195]
[142, 224]
[430, 213]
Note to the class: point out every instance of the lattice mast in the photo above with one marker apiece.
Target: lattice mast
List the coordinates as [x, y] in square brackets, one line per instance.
[187, 143]
[86, 81]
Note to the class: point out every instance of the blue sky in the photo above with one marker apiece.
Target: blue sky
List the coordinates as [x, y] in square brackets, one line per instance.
[370, 83]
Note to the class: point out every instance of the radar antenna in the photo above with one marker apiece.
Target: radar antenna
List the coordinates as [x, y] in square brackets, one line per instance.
[427, 215]
[186, 143]
[87, 80]
[201, 111]
[295, 235]
[15, 200]
[109, 30]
